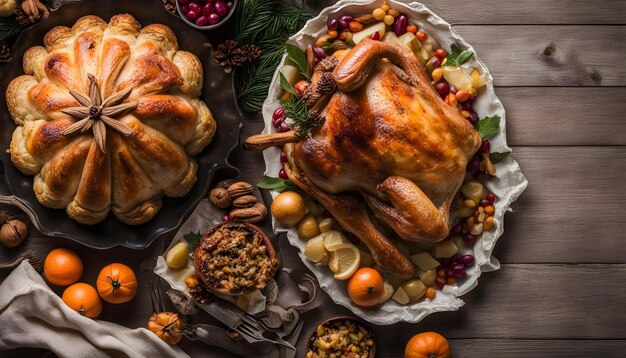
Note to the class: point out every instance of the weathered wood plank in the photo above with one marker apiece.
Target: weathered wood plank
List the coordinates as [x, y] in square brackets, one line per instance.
[527, 12]
[564, 115]
[518, 348]
[573, 208]
[550, 55]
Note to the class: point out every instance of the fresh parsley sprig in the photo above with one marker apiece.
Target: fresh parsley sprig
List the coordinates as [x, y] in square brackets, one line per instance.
[488, 126]
[192, 238]
[277, 184]
[456, 57]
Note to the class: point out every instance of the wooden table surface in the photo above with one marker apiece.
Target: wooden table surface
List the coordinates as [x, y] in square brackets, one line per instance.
[558, 67]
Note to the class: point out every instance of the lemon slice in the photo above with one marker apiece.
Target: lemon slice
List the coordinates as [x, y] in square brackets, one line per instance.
[334, 239]
[344, 261]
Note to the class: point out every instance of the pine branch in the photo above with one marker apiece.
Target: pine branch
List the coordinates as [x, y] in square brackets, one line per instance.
[267, 24]
[9, 28]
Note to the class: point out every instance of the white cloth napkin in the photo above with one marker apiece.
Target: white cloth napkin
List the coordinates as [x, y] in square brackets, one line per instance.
[31, 315]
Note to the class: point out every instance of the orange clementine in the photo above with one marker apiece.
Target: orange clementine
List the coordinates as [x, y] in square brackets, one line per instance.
[62, 267]
[84, 299]
[117, 283]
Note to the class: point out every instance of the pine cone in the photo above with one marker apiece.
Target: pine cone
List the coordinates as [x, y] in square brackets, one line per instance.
[5, 53]
[252, 52]
[170, 5]
[228, 54]
[200, 294]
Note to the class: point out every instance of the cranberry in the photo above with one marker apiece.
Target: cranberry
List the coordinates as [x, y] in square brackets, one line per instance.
[467, 260]
[436, 62]
[473, 118]
[185, 9]
[214, 19]
[230, 4]
[225, 217]
[278, 113]
[461, 275]
[221, 8]
[452, 89]
[458, 268]
[277, 122]
[283, 174]
[193, 6]
[283, 157]
[473, 165]
[457, 230]
[450, 272]
[207, 10]
[485, 147]
[467, 105]
[443, 88]
[319, 52]
[192, 15]
[344, 22]
[283, 128]
[491, 197]
[444, 262]
[183, 2]
[469, 239]
[440, 282]
[332, 24]
[202, 21]
[375, 36]
[484, 203]
[482, 176]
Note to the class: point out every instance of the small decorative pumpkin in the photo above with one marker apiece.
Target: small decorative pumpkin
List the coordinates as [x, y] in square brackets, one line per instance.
[366, 287]
[117, 283]
[427, 345]
[167, 326]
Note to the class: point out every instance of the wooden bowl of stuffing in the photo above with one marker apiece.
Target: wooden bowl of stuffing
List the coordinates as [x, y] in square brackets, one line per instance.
[235, 258]
[341, 336]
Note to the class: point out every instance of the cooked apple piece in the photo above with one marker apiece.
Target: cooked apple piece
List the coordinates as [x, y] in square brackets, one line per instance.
[400, 296]
[457, 77]
[368, 31]
[387, 292]
[424, 261]
[409, 40]
[473, 189]
[429, 277]
[391, 37]
[446, 249]
[414, 289]
[315, 250]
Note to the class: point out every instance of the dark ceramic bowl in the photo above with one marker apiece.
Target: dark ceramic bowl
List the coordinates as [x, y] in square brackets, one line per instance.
[183, 16]
[341, 318]
[218, 94]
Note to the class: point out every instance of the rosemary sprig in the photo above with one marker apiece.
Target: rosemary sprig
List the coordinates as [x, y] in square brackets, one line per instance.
[267, 24]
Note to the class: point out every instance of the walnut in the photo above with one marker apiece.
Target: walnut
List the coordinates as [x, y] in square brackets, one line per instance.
[253, 214]
[245, 201]
[219, 197]
[239, 189]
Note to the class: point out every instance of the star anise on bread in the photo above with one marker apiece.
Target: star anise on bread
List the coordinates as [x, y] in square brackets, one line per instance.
[96, 114]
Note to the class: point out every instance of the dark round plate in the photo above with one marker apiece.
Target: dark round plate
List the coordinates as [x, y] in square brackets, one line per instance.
[218, 94]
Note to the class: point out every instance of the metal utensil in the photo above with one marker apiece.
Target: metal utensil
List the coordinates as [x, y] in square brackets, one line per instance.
[288, 353]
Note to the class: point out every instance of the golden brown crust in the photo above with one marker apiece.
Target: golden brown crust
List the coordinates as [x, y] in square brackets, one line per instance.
[170, 123]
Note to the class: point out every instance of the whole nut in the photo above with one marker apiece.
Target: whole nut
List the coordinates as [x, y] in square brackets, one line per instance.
[239, 189]
[219, 197]
[245, 201]
[253, 214]
[13, 233]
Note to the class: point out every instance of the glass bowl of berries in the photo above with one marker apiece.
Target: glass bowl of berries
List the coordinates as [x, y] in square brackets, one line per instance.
[205, 14]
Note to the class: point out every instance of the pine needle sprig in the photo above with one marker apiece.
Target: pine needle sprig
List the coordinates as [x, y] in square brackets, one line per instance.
[266, 24]
[296, 110]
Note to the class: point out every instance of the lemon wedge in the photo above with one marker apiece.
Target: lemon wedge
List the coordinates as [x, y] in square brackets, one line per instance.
[344, 261]
[314, 249]
[334, 239]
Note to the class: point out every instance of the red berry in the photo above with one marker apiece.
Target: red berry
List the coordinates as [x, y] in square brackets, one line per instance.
[484, 203]
[183, 2]
[283, 174]
[195, 7]
[221, 8]
[207, 10]
[283, 128]
[469, 239]
[283, 157]
[375, 36]
[214, 19]
[441, 53]
[485, 147]
[436, 62]
[491, 197]
[202, 21]
[278, 113]
[440, 282]
[192, 15]
[225, 217]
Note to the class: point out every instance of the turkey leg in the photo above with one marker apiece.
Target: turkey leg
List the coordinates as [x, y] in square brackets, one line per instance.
[412, 214]
[352, 216]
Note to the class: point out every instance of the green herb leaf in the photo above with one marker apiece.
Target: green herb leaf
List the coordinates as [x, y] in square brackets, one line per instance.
[297, 110]
[277, 184]
[488, 126]
[498, 157]
[298, 57]
[284, 83]
[192, 238]
[456, 57]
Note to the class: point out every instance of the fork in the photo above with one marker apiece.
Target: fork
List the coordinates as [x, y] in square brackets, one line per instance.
[252, 328]
[284, 352]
